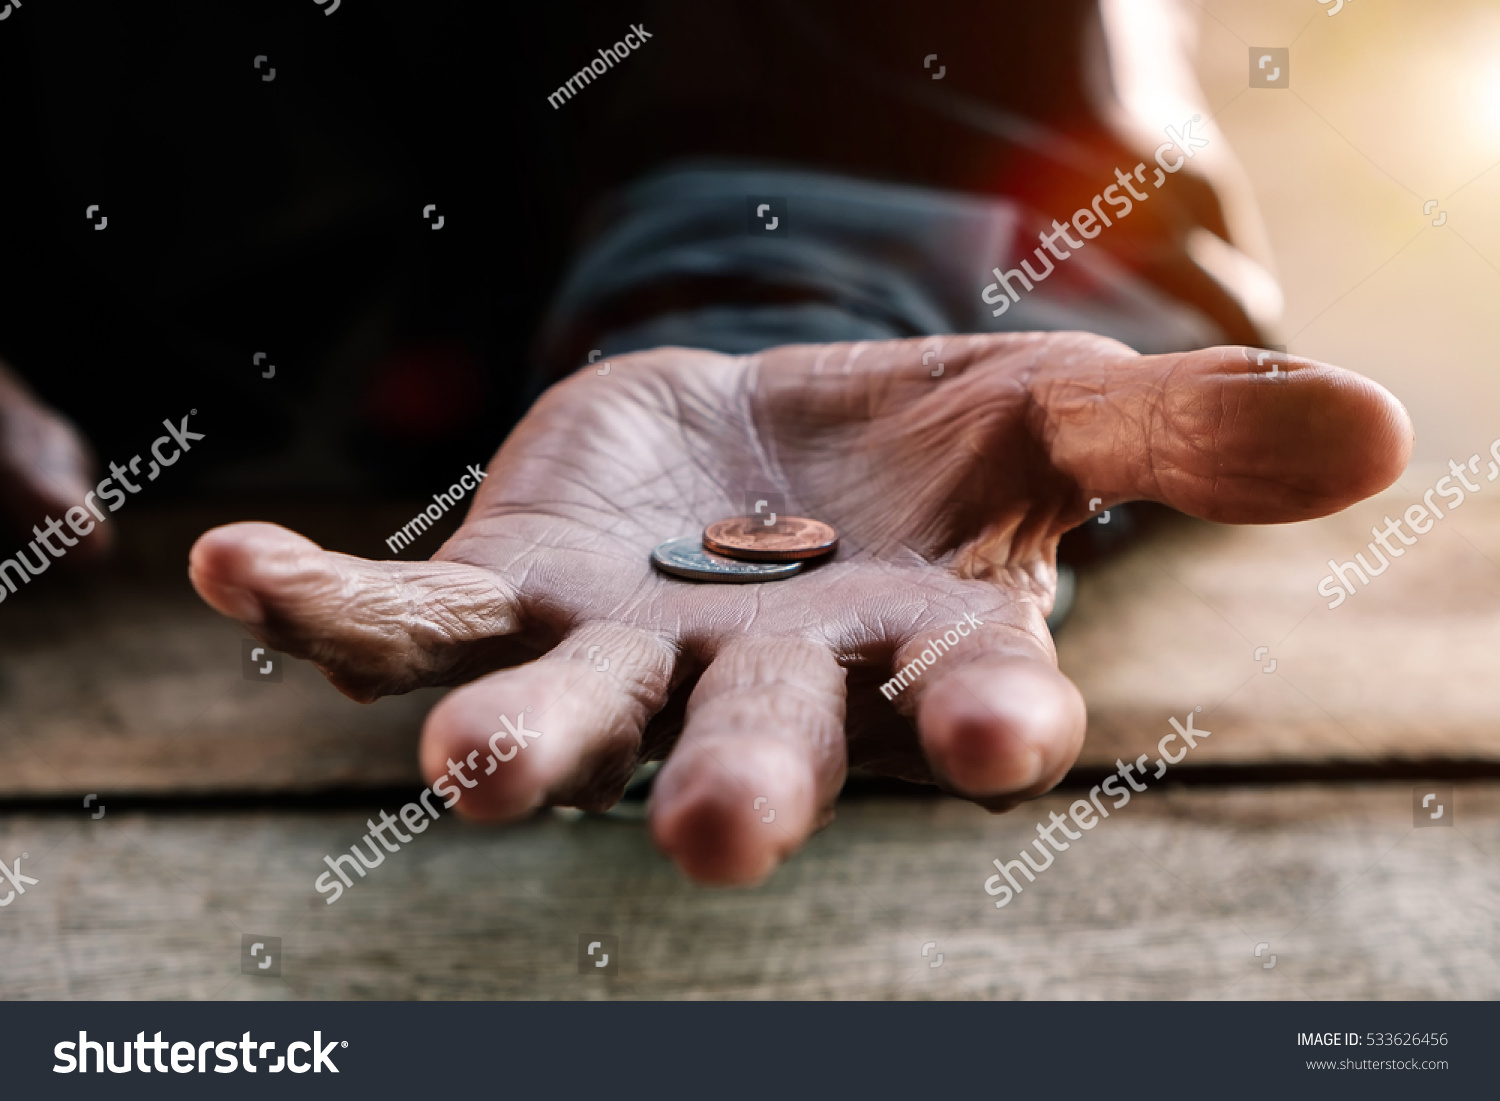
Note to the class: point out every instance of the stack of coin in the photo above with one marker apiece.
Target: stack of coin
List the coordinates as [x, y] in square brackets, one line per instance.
[746, 548]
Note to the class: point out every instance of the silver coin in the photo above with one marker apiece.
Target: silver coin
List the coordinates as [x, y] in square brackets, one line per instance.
[685, 557]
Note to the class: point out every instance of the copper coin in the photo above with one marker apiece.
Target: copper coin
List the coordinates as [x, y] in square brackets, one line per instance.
[790, 539]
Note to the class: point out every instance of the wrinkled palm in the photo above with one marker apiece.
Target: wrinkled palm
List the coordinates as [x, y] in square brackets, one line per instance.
[949, 496]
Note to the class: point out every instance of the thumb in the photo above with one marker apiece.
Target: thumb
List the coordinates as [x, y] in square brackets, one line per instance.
[1202, 433]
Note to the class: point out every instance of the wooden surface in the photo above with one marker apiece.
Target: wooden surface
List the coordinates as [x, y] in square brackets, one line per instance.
[1167, 899]
[1404, 669]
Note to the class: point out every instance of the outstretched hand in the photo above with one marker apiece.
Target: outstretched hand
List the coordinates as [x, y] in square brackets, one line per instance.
[949, 496]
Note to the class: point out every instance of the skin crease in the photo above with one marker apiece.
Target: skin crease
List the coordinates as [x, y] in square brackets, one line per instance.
[949, 496]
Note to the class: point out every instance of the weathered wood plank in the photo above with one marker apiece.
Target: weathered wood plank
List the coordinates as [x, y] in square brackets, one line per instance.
[1166, 899]
[1403, 669]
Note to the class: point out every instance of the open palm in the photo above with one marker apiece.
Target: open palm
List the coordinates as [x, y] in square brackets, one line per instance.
[949, 495]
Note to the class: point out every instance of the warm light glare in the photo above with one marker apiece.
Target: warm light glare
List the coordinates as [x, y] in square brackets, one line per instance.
[1487, 98]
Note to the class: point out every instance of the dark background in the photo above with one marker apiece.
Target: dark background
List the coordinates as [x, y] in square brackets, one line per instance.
[286, 216]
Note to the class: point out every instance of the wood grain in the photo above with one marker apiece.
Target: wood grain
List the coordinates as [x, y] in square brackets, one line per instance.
[1166, 899]
[1403, 669]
